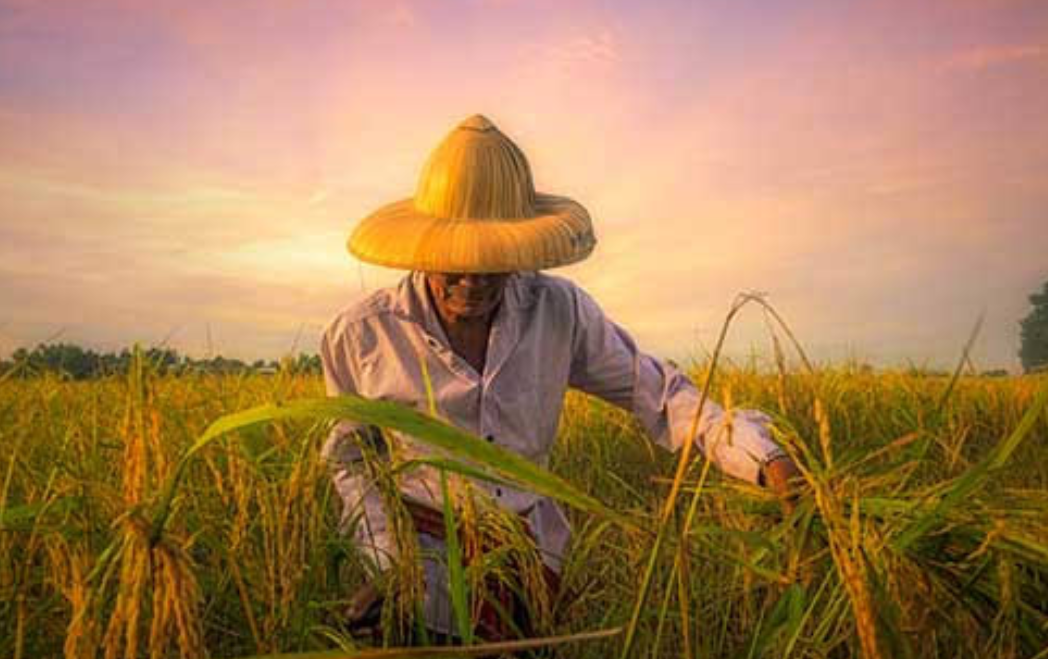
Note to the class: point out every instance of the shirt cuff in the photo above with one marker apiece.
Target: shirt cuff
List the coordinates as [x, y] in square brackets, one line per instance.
[740, 443]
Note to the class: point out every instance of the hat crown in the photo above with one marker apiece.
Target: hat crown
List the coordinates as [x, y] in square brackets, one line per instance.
[476, 173]
[477, 122]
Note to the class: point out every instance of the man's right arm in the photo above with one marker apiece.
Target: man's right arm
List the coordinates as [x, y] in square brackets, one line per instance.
[363, 513]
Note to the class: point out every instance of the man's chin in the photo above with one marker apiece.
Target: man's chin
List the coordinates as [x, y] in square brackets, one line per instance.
[473, 311]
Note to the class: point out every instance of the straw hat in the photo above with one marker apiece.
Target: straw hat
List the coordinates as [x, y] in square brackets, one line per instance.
[475, 210]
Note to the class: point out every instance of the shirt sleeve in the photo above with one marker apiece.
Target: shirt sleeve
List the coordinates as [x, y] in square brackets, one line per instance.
[363, 513]
[607, 363]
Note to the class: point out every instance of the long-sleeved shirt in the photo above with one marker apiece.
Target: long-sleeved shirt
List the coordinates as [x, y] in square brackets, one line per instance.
[547, 335]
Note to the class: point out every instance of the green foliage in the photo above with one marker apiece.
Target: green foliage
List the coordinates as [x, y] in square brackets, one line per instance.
[1034, 333]
[935, 505]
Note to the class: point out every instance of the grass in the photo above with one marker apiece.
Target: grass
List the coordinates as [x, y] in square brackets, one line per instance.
[922, 528]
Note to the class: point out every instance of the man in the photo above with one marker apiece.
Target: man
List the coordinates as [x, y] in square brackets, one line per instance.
[498, 344]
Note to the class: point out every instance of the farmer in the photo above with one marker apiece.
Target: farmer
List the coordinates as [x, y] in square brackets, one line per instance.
[501, 343]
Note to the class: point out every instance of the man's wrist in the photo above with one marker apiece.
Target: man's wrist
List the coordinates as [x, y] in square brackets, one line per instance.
[762, 466]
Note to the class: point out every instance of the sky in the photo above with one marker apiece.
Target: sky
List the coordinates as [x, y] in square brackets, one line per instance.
[188, 173]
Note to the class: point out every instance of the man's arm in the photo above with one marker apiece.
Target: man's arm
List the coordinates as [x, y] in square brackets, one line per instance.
[608, 364]
[363, 513]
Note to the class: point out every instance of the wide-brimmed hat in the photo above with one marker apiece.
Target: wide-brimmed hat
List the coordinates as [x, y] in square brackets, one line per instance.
[475, 210]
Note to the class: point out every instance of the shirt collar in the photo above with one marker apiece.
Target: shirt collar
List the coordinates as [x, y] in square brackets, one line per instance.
[412, 303]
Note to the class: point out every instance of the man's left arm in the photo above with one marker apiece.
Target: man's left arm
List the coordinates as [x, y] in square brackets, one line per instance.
[607, 363]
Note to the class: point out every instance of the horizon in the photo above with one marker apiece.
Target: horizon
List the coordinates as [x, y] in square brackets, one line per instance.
[753, 357]
[879, 169]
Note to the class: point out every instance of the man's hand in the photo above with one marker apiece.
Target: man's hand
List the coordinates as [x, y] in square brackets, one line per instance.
[365, 608]
[780, 476]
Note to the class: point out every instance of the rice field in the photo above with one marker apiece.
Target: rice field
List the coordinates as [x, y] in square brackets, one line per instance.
[921, 529]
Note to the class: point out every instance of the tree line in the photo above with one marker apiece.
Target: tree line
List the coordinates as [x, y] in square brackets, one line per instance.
[77, 363]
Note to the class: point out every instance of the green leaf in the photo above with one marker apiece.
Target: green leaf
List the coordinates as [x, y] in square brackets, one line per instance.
[969, 481]
[456, 573]
[437, 434]
[26, 516]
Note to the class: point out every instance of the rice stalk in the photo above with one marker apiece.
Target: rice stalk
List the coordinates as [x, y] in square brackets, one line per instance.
[973, 584]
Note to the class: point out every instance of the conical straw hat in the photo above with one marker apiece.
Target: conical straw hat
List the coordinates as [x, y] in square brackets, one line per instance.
[475, 210]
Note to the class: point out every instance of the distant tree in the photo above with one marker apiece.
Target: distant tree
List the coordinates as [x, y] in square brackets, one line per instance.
[1034, 333]
[77, 363]
[66, 359]
[302, 363]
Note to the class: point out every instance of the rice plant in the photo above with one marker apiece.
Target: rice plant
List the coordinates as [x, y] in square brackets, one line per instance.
[132, 524]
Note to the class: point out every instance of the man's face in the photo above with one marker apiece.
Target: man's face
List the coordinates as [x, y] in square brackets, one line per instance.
[466, 295]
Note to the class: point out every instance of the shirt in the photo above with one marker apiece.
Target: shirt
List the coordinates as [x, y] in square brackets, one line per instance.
[547, 335]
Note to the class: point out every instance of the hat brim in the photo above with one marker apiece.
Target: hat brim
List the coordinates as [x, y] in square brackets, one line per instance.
[399, 236]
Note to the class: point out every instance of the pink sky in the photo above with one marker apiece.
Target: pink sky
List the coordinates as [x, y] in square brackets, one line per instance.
[880, 169]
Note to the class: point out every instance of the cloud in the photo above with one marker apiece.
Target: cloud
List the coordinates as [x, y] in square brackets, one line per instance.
[573, 56]
[599, 48]
[144, 302]
[986, 57]
[402, 15]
